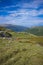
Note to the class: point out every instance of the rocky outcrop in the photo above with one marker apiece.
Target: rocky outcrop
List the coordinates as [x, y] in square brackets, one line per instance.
[5, 34]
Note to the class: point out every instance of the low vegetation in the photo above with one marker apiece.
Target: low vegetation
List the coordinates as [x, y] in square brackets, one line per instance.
[21, 49]
[36, 30]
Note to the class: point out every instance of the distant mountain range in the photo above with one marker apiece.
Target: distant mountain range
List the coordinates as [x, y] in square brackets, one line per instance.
[37, 30]
[15, 28]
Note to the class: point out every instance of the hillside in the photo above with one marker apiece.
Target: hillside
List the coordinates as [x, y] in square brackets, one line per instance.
[36, 30]
[21, 49]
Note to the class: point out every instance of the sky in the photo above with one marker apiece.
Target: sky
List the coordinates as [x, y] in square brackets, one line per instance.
[21, 12]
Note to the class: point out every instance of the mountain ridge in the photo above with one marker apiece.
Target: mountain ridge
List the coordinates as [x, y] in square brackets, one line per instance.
[36, 30]
[15, 28]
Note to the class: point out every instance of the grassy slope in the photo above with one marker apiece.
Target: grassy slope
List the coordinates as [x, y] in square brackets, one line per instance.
[36, 30]
[22, 49]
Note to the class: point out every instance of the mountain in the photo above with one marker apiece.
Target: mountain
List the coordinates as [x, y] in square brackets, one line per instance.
[15, 28]
[36, 30]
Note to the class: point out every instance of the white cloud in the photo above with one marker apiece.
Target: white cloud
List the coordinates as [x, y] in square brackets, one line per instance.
[32, 4]
[41, 12]
[26, 12]
[24, 16]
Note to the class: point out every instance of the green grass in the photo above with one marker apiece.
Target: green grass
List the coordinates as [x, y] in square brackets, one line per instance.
[37, 30]
[21, 49]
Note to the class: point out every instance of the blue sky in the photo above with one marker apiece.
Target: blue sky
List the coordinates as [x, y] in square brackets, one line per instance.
[21, 12]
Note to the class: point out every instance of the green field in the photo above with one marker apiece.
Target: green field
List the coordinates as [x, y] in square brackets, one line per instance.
[22, 49]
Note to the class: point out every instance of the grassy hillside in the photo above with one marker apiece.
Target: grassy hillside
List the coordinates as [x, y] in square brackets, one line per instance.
[36, 30]
[22, 49]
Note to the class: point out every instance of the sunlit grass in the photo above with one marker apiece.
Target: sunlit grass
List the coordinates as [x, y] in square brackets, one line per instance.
[21, 49]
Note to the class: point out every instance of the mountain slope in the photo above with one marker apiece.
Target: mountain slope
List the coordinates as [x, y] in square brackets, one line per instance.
[33, 30]
[36, 30]
[23, 49]
[16, 28]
